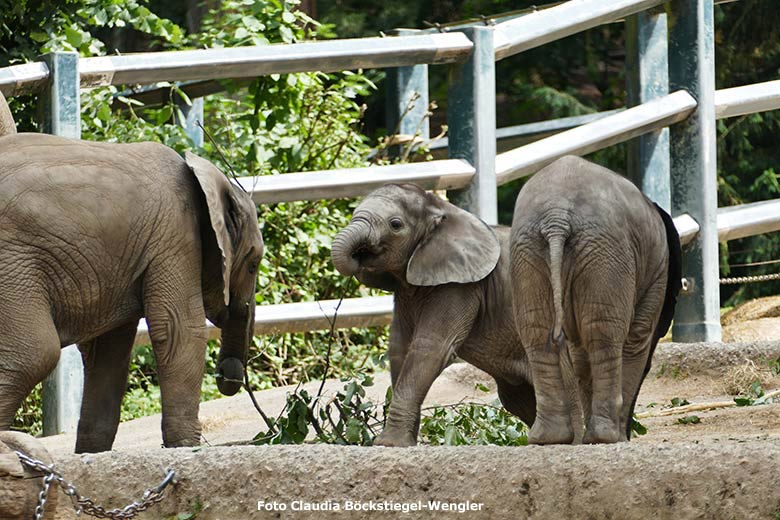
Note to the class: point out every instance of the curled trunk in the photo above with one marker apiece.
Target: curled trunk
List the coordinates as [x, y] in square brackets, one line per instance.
[346, 242]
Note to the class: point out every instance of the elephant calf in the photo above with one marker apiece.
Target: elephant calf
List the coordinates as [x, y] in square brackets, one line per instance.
[459, 289]
[94, 236]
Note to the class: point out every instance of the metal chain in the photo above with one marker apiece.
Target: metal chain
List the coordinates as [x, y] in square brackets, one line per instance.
[86, 505]
[750, 279]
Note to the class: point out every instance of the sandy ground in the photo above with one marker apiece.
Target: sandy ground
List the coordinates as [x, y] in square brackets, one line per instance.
[724, 466]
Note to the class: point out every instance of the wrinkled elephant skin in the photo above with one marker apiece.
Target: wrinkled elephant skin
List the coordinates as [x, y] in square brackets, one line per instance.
[486, 294]
[95, 236]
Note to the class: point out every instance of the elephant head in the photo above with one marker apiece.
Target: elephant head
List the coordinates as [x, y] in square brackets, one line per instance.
[400, 234]
[232, 249]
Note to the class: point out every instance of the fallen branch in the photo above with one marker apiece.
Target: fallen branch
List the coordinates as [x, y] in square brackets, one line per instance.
[699, 407]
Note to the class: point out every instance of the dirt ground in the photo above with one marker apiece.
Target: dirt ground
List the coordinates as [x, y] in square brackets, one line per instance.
[723, 466]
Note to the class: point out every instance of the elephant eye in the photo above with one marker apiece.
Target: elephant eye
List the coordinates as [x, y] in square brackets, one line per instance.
[396, 223]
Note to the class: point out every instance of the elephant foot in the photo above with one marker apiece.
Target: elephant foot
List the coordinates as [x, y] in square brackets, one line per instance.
[602, 431]
[557, 431]
[395, 439]
[180, 432]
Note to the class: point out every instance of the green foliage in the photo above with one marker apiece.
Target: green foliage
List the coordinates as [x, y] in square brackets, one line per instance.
[29, 417]
[472, 424]
[346, 418]
[637, 428]
[755, 396]
[774, 366]
[679, 401]
[689, 419]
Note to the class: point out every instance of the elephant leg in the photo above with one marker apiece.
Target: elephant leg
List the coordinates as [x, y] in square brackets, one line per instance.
[606, 405]
[29, 351]
[423, 364]
[519, 400]
[553, 409]
[634, 362]
[603, 330]
[439, 331]
[176, 319]
[585, 385]
[638, 351]
[534, 316]
[106, 359]
[399, 346]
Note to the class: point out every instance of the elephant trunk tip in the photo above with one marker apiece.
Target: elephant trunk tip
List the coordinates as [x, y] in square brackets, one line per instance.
[230, 376]
[350, 248]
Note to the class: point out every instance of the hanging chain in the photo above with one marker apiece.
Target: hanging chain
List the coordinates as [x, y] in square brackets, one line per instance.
[750, 279]
[86, 505]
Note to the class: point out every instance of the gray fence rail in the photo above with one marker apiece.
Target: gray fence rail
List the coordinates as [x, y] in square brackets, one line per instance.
[672, 90]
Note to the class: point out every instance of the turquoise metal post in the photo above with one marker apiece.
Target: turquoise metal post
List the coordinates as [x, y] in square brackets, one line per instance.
[647, 78]
[471, 117]
[62, 390]
[694, 171]
[192, 115]
[407, 98]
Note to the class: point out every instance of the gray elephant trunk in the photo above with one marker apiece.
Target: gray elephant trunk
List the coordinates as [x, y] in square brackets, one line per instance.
[346, 245]
[236, 338]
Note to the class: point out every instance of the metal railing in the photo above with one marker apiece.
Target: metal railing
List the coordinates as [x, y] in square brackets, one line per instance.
[679, 172]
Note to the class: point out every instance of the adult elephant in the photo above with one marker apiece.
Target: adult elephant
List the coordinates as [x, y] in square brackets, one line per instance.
[94, 236]
[452, 278]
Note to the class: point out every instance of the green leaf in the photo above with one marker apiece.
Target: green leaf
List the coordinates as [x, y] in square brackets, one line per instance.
[164, 115]
[286, 34]
[451, 435]
[637, 427]
[39, 36]
[74, 36]
[252, 23]
[690, 419]
[100, 17]
[354, 431]
[288, 17]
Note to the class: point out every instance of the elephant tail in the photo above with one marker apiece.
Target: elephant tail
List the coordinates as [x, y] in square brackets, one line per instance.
[7, 124]
[556, 240]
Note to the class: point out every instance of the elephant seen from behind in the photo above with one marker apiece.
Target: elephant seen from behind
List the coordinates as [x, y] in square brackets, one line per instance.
[525, 305]
[95, 236]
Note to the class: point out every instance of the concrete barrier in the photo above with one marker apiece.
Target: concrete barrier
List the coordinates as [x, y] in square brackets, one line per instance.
[625, 481]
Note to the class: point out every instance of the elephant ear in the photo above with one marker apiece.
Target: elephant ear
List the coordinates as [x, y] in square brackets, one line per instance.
[458, 248]
[674, 273]
[222, 211]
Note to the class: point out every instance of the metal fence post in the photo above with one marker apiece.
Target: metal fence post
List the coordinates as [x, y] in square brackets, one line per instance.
[694, 171]
[62, 390]
[647, 78]
[407, 99]
[471, 117]
[192, 114]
